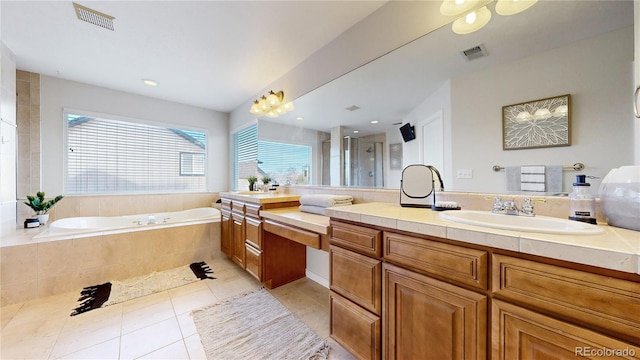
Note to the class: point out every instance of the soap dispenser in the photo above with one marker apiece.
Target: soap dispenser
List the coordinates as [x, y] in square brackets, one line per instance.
[582, 205]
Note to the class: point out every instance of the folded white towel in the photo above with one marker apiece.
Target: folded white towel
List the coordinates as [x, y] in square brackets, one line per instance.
[532, 178]
[325, 200]
[313, 209]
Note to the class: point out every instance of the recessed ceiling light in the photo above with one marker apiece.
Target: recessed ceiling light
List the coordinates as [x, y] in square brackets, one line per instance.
[374, 121]
[299, 118]
[150, 82]
[355, 131]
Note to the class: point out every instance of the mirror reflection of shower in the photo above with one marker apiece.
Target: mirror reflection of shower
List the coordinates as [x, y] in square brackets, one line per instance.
[363, 162]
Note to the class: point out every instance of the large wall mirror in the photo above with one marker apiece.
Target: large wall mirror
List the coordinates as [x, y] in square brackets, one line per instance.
[454, 101]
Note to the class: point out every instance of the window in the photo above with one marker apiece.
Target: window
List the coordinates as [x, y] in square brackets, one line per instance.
[113, 156]
[283, 162]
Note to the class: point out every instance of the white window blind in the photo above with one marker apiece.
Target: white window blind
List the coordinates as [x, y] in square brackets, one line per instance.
[287, 163]
[114, 156]
[244, 153]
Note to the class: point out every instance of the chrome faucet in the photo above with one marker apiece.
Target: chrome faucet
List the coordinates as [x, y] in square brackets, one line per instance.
[511, 208]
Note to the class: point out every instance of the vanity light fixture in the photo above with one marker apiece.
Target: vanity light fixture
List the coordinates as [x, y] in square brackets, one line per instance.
[474, 20]
[456, 7]
[271, 105]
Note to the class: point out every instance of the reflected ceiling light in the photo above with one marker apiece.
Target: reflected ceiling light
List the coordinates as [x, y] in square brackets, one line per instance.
[271, 105]
[512, 7]
[150, 82]
[355, 131]
[456, 7]
[374, 121]
[300, 118]
[472, 21]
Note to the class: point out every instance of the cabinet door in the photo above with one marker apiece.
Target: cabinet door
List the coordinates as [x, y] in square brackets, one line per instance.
[238, 240]
[226, 240]
[356, 277]
[518, 333]
[356, 329]
[253, 259]
[253, 230]
[424, 318]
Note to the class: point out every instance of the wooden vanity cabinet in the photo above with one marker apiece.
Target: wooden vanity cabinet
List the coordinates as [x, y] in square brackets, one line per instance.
[426, 313]
[355, 289]
[238, 233]
[226, 225]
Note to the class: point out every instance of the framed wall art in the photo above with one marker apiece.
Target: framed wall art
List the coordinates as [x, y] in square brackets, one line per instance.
[537, 124]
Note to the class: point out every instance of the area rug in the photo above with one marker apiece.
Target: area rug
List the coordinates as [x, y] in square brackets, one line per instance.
[114, 292]
[255, 325]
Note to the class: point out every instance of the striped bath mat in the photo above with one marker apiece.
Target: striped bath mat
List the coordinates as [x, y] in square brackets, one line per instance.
[114, 292]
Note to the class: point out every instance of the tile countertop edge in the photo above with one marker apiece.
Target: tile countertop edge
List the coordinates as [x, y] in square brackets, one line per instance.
[260, 198]
[621, 256]
[294, 217]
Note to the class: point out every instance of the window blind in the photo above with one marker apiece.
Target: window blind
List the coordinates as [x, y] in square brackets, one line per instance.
[114, 156]
[244, 153]
[287, 163]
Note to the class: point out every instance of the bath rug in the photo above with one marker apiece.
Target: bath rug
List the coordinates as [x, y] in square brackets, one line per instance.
[255, 325]
[114, 292]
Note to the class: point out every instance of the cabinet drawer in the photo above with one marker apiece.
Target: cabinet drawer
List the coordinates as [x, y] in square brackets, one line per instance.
[356, 277]
[253, 261]
[357, 238]
[252, 210]
[355, 329]
[289, 232]
[237, 207]
[518, 333]
[459, 264]
[600, 301]
[225, 204]
[253, 229]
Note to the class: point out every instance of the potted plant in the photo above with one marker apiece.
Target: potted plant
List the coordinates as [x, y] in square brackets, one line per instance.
[252, 182]
[41, 206]
[265, 182]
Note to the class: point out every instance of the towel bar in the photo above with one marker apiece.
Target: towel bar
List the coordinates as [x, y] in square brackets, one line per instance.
[574, 167]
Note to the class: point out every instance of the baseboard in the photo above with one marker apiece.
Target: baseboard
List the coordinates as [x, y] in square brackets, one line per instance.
[317, 278]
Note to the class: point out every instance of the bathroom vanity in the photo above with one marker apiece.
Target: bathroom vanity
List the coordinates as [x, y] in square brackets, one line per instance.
[265, 234]
[406, 284]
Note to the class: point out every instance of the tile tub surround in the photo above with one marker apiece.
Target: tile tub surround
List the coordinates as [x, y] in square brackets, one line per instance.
[616, 249]
[40, 269]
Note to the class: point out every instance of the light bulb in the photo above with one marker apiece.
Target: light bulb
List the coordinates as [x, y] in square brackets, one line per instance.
[470, 18]
[271, 114]
[255, 109]
[263, 104]
[272, 99]
[288, 106]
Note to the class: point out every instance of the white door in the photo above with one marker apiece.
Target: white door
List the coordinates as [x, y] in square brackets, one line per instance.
[431, 140]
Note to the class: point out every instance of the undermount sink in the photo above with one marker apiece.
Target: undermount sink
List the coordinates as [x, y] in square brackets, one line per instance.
[540, 224]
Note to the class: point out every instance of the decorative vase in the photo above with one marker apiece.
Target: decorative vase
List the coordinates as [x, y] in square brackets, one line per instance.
[43, 219]
[252, 187]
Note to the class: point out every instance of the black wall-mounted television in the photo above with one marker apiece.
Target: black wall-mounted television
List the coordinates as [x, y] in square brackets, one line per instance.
[408, 132]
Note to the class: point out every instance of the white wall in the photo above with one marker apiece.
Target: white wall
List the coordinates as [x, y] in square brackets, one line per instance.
[438, 101]
[57, 94]
[596, 72]
[392, 177]
[8, 146]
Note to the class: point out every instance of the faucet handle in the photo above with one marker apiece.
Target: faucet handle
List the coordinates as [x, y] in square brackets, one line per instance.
[498, 206]
[527, 207]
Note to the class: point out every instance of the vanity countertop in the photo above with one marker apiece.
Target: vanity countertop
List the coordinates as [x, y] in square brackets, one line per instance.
[257, 197]
[616, 248]
[293, 216]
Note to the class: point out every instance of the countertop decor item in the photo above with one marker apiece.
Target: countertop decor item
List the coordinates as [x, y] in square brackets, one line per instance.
[620, 197]
[252, 182]
[41, 206]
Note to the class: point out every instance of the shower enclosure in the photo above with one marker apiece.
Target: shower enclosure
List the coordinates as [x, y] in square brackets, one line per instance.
[362, 166]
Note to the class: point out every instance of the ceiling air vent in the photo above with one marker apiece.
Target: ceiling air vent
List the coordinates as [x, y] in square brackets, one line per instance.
[94, 17]
[475, 52]
[353, 108]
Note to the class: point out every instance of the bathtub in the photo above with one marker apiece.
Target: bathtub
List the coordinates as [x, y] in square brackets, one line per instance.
[72, 253]
[94, 225]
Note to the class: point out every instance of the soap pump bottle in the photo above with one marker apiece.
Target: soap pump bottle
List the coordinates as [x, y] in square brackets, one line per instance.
[582, 205]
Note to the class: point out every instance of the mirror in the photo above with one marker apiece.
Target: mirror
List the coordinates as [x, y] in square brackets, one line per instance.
[582, 48]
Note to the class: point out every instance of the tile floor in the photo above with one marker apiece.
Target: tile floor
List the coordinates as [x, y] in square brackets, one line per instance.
[157, 326]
